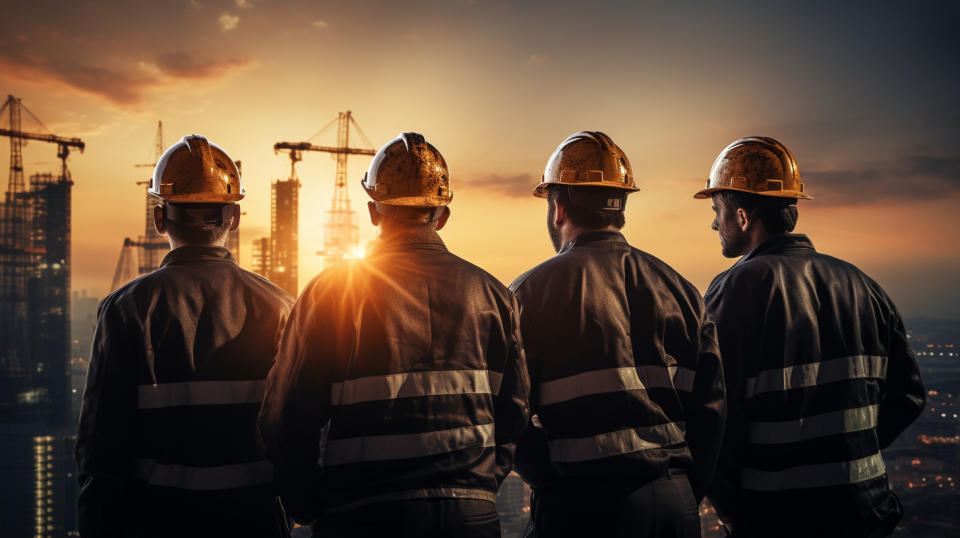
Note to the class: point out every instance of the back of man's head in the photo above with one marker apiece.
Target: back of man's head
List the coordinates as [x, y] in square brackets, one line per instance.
[198, 224]
[778, 215]
[589, 208]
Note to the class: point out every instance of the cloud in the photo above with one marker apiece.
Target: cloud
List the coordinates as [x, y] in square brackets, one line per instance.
[320, 23]
[516, 186]
[536, 59]
[124, 82]
[228, 22]
[917, 177]
[183, 65]
[243, 4]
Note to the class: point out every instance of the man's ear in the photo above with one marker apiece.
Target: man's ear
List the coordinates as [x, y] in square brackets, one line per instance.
[375, 215]
[744, 219]
[442, 219]
[559, 214]
[236, 218]
[158, 220]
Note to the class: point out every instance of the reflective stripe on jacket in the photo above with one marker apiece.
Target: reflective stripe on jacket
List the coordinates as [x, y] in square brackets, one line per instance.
[820, 378]
[414, 358]
[625, 370]
[168, 432]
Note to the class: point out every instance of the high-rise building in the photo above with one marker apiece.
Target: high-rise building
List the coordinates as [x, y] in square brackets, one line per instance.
[261, 256]
[36, 432]
[284, 240]
[83, 321]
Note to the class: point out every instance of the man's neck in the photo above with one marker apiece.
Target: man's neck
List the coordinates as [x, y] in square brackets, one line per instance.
[570, 232]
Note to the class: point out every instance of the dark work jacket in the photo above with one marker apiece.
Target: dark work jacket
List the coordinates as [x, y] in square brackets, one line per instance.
[414, 357]
[625, 371]
[820, 377]
[167, 444]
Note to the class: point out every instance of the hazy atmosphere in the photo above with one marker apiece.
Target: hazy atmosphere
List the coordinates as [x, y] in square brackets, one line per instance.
[864, 96]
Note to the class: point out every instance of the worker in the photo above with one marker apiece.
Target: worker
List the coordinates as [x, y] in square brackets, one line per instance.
[627, 383]
[167, 443]
[400, 387]
[820, 375]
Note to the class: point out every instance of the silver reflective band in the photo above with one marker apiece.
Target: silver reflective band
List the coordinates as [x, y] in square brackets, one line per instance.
[205, 478]
[615, 380]
[616, 443]
[410, 385]
[814, 476]
[402, 446]
[789, 431]
[817, 373]
[199, 393]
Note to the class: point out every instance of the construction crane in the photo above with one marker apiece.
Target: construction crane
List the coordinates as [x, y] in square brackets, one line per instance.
[17, 254]
[340, 238]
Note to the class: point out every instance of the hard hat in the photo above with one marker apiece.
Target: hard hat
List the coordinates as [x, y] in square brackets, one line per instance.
[196, 171]
[757, 165]
[587, 159]
[408, 171]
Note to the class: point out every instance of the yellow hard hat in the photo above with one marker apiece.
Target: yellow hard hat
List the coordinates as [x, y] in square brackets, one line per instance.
[757, 165]
[196, 171]
[408, 171]
[587, 159]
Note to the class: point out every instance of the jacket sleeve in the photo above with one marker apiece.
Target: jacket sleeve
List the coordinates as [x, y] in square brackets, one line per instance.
[533, 456]
[903, 397]
[296, 407]
[511, 404]
[105, 451]
[737, 330]
[706, 410]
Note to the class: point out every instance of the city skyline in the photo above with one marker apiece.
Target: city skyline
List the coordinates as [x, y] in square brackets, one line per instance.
[862, 95]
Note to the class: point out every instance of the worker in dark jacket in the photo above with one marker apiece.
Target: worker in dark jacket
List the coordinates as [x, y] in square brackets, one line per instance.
[400, 387]
[820, 376]
[167, 444]
[627, 384]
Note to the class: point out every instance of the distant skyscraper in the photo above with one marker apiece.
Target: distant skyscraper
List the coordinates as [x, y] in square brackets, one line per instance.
[36, 434]
[261, 256]
[284, 235]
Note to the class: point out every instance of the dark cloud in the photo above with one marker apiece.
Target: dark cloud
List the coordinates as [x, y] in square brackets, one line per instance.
[918, 177]
[183, 65]
[123, 85]
[516, 186]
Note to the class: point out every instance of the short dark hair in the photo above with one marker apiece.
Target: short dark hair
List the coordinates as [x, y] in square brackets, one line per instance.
[583, 217]
[778, 215]
[192, 234]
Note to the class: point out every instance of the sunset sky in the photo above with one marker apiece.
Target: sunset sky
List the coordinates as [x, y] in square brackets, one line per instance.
[864, 94]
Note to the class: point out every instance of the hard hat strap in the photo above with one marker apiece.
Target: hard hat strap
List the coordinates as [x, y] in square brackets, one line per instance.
[597, 198]
[199, 215]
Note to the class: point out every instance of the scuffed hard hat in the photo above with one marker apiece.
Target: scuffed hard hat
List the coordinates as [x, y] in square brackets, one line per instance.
[756, 165]
[408, 171]
[196, 171]
[587, 159]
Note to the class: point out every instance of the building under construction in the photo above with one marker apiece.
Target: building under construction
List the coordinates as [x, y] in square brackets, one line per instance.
[280, 262]
[36, 433]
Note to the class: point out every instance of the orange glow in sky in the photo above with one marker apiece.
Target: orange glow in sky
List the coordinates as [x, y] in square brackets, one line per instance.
[866, 102]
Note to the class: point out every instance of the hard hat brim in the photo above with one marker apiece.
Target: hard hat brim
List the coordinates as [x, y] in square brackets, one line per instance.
[540, 191]
[410, 201]
[198, 198]
[708, 192]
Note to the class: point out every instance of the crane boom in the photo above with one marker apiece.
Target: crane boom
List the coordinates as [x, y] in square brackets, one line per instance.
[62, 141]
[307, 146]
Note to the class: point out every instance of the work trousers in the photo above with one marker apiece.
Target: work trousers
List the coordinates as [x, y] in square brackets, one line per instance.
[420, 518]
[664, 508]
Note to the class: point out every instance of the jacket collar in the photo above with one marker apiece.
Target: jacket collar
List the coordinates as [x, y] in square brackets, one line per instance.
[780, 244]
[429, 240]
[595, 236]
[198, 254]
